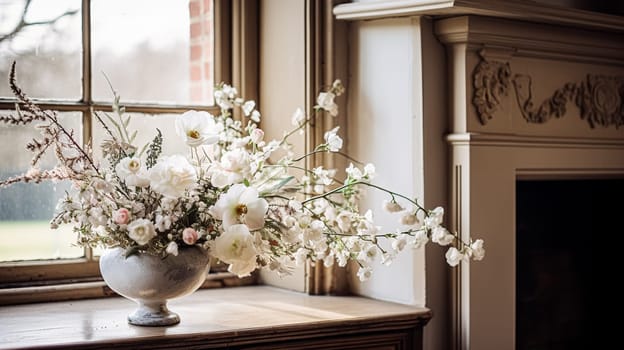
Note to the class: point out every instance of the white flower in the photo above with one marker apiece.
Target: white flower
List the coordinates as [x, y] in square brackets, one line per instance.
[236, 247]
[441, 236]
[172, 175]
[365, 273]
[333, 141]
[408, 218]
[298, 117]
[435, 217]
[172, 248]
[248, 107]
[369, 171]
[353, 172]
[240, 204]
[391, 206]
[420, 239]
[197, 128]
[224, 97]
[163, 222]
[478, 252]
[301, 255]
[344, 220]
[454, 256]
[399, 243]
[325, 101]
[130, 170]
[233, 168]
[255, 116]
[257, 135]
[141, 231]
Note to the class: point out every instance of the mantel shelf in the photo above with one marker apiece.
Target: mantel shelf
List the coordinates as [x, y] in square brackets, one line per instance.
[511, 9]
[215, 318]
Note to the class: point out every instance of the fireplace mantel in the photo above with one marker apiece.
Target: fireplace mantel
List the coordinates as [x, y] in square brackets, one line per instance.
[527, 101]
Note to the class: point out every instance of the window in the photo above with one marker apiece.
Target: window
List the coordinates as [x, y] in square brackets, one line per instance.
[157, 54]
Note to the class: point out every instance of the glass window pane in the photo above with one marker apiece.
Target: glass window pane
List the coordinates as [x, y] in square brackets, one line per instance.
[47, 47]
[26, 209]
[153, 50]
[146, 125]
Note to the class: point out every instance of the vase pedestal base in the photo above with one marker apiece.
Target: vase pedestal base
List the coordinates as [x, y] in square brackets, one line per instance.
[153, 314]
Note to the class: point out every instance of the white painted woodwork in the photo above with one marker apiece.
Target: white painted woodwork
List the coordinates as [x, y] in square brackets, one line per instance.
[488, 159]
[533, 11]
[554, 45]
[282, 87]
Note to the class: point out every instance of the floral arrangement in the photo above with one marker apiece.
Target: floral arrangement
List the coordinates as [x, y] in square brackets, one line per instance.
[228, 194]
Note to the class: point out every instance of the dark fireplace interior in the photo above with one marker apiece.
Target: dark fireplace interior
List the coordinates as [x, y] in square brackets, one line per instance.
[558, 226]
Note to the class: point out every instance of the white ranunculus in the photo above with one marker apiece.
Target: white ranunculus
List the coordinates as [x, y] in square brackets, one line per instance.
[478, 252]
[334, 142]
[325, 100]
[236, 247]
[441, 236]
[454, 256]
[141, 231]
[233, 168]
[172, 175]
[197, 128]
[241, 204]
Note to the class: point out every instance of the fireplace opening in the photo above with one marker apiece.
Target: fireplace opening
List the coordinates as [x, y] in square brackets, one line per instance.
[558, 226]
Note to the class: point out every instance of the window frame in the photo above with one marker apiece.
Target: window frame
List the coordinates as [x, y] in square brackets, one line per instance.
[63, 279]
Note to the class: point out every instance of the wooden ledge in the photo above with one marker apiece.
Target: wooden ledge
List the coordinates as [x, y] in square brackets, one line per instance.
[216, 318]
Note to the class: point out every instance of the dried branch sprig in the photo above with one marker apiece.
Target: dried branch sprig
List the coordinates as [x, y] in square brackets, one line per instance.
[35, 175]
[71, 156]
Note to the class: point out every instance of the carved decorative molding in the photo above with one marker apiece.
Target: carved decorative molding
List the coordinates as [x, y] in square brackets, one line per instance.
[491, 80]
[599, 98]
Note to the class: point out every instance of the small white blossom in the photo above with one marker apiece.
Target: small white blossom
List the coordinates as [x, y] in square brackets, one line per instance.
[255, 116]
[478, 252]
[248, 107]
[454, 256]
[172, 248]
[364, 273]
[325, 101]
[441, 236]
[298, 117]
[391, 206]
[435, 218]
[333, 141]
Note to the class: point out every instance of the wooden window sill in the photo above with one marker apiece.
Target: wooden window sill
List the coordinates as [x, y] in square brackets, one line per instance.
[243, 317]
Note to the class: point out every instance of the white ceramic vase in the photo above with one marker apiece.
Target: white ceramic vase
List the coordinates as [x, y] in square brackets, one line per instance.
[151, 280]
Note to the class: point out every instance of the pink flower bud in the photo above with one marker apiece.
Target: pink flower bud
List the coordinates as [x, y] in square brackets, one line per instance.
[257, 135]
[121, 216]
[189, 236]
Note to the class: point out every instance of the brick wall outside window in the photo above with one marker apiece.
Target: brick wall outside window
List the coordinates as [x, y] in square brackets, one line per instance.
[201, 55]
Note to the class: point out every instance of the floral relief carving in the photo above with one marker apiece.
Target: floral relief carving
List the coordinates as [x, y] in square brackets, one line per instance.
[600, 98]
[491, 80]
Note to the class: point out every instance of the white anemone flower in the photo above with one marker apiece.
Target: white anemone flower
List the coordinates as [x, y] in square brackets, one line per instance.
[241, 205]
[197, 128]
